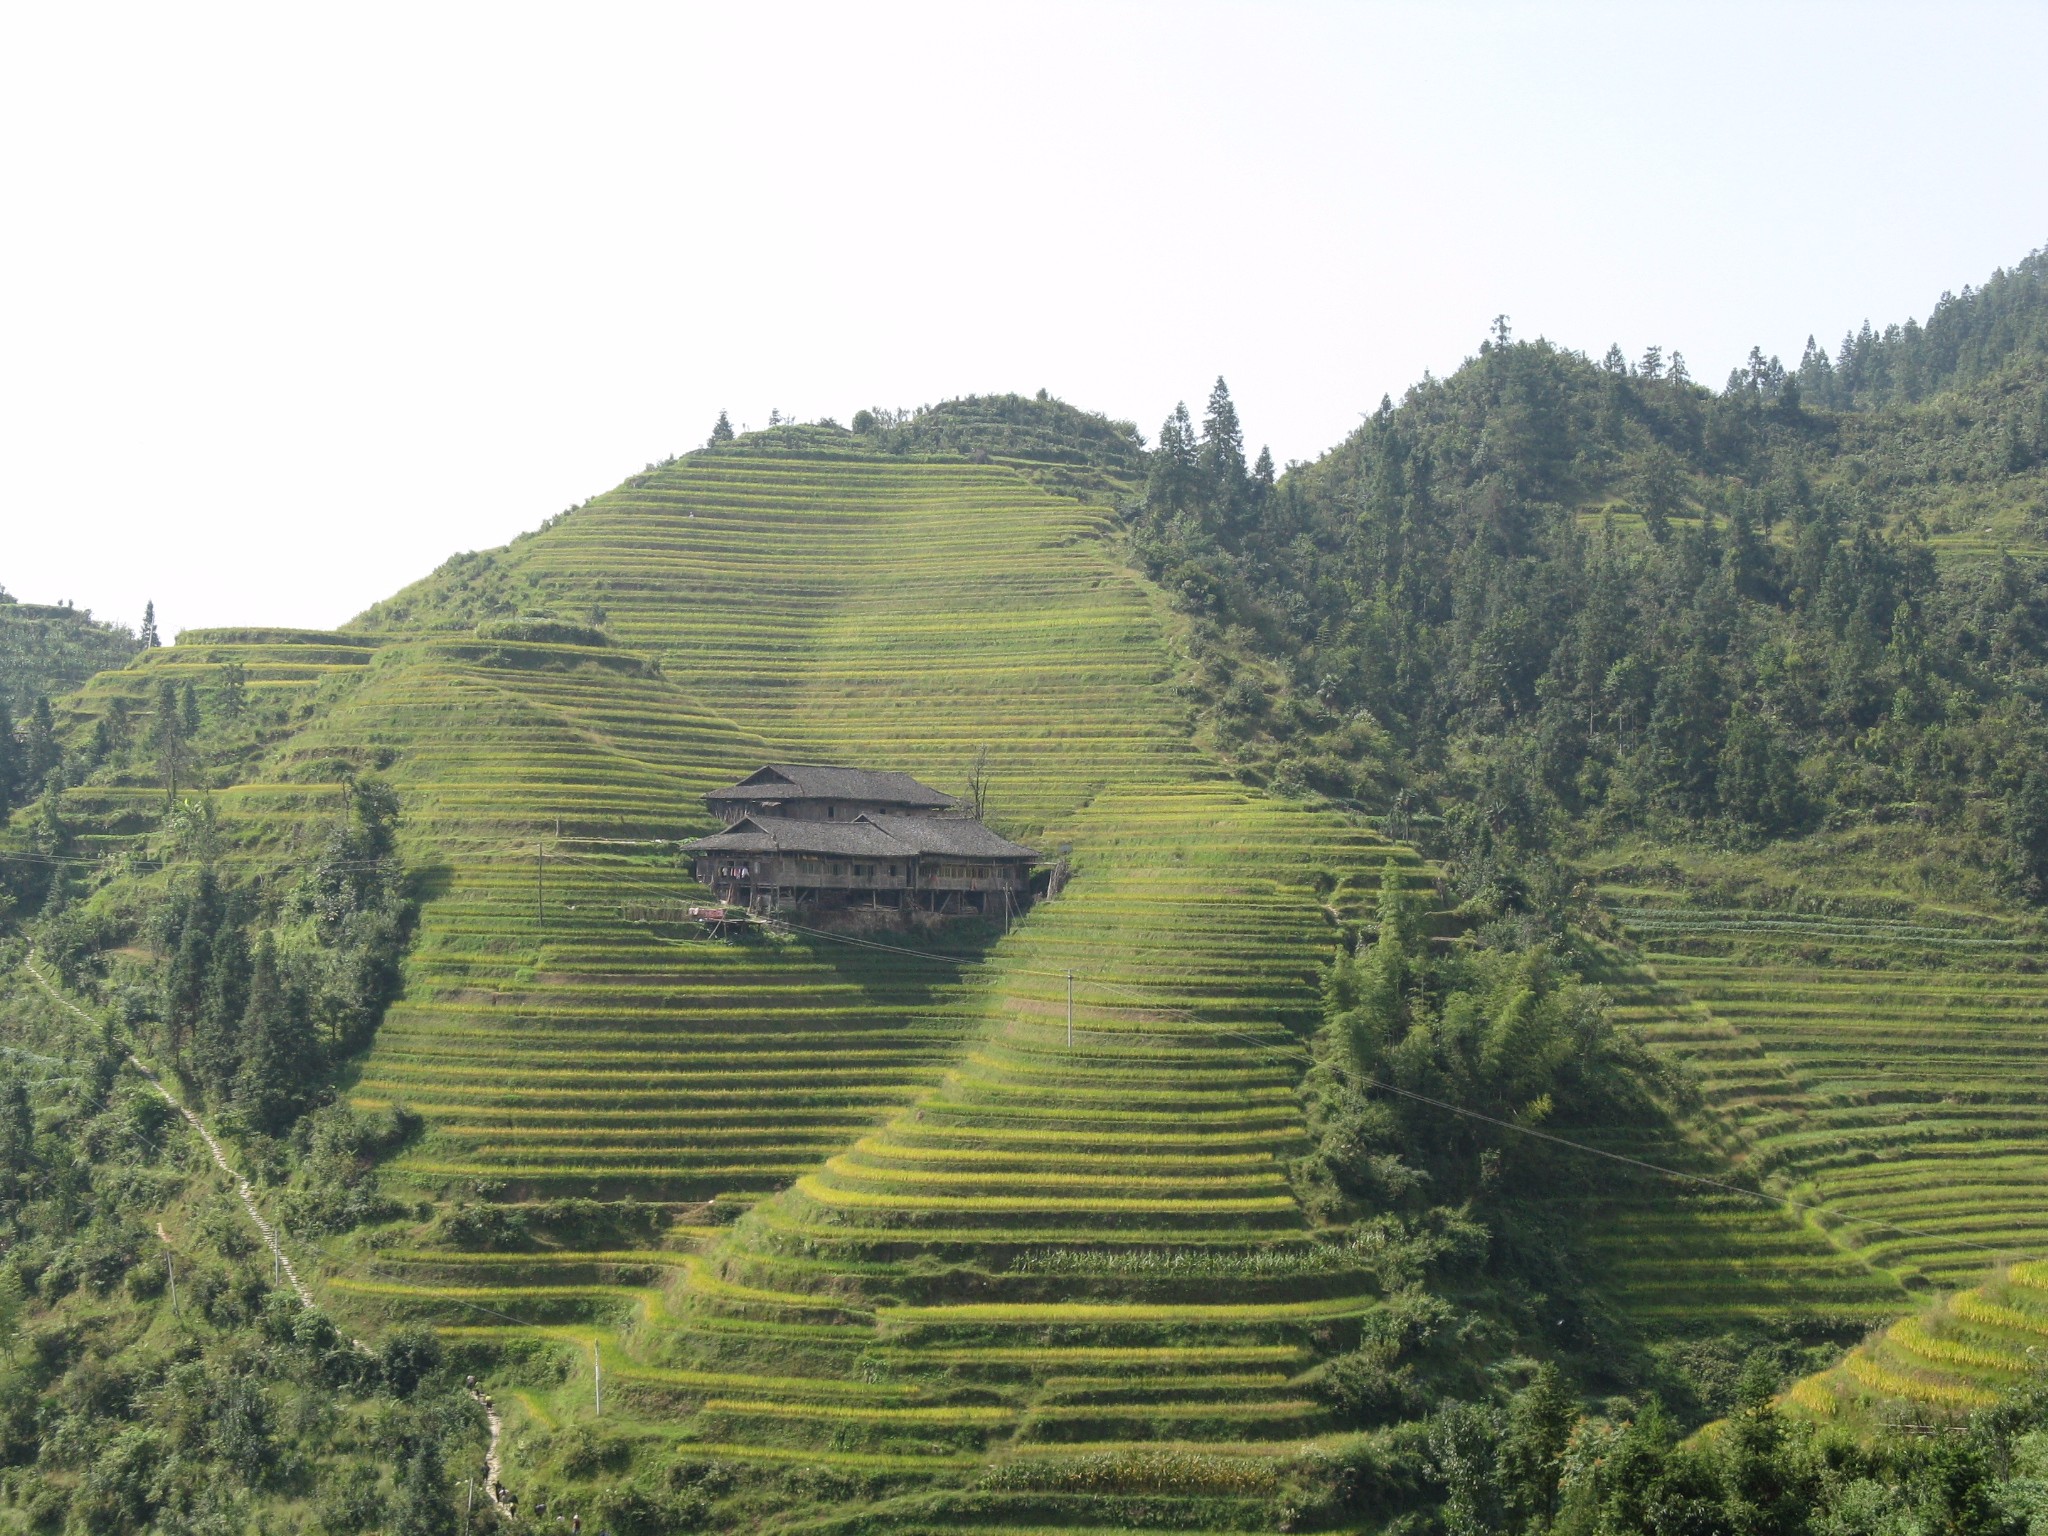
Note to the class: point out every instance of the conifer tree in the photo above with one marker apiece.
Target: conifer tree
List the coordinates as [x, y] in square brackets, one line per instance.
[721, 430]
[216, 1043]
[276, 1046]
[233, 696]
[424, 1508]
[148, 636]
[167, 736]
[194, 918]
[1172, 475]
[1222, 453]
[40, 752]
[188, 711]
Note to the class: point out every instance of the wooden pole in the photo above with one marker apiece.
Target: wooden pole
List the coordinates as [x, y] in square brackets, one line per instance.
[597, 1376]
[1070, 1010]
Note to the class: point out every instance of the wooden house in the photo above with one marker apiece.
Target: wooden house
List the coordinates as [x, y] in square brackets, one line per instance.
[800, 834]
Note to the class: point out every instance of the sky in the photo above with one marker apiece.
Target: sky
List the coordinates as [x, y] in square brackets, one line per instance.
[297, 301]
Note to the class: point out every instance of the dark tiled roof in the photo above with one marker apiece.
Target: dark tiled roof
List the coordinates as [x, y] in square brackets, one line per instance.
[868, 837]
[956, 836]
[819, 781]
[859, 839]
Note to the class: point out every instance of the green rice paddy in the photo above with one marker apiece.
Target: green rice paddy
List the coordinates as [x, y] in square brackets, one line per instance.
[1879, 1065]
[911, 1225]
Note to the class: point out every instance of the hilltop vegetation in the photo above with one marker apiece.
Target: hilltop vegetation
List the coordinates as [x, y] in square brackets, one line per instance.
[1560, 601]
[47, 650]
[44, 651]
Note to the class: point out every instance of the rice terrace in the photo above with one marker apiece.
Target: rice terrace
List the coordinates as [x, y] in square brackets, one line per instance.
[979, 971]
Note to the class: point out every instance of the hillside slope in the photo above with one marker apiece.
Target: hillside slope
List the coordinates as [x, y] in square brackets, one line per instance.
[982, 1255]
[847, 1224]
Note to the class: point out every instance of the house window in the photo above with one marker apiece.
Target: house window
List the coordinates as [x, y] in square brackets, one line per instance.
[831, 812]
[892, 869]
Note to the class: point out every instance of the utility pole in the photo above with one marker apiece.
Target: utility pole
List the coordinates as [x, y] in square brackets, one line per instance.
[540, 884]
[1070, 1010]
[597, 1376]
[171, 1269]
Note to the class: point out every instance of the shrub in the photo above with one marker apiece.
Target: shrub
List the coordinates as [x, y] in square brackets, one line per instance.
[586, 1452]
[410, 1356]
[541, 630]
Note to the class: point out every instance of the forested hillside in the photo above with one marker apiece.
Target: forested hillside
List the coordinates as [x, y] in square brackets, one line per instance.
[1560, 601]
[1549, 958]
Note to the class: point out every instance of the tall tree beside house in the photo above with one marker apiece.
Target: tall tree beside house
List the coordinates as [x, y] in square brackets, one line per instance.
[978, 782]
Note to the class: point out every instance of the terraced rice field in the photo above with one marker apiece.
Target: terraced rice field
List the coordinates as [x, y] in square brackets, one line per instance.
[1888, 1068]
[940, 1167]
[917, 1290]
[926, 1122]
[1955, 1356]
[917, 1232]
[1885, 1069]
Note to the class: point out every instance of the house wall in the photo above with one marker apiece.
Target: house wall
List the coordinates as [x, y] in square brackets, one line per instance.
[827, 874]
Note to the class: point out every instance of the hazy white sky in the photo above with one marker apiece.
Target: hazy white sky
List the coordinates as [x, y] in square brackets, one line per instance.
[295, 301]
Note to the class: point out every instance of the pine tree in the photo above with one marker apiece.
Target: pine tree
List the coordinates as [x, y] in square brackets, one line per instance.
[424, 1508]
[233, 696]
[1540, 1422]
[721, 430]
[216, 1043]
[188, 711]
[195, 916]
[1222, 453]
[1262, 474]
[1172, 475]
[167, 736]
[40, 752]
[276, 1045]
[148, 636]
